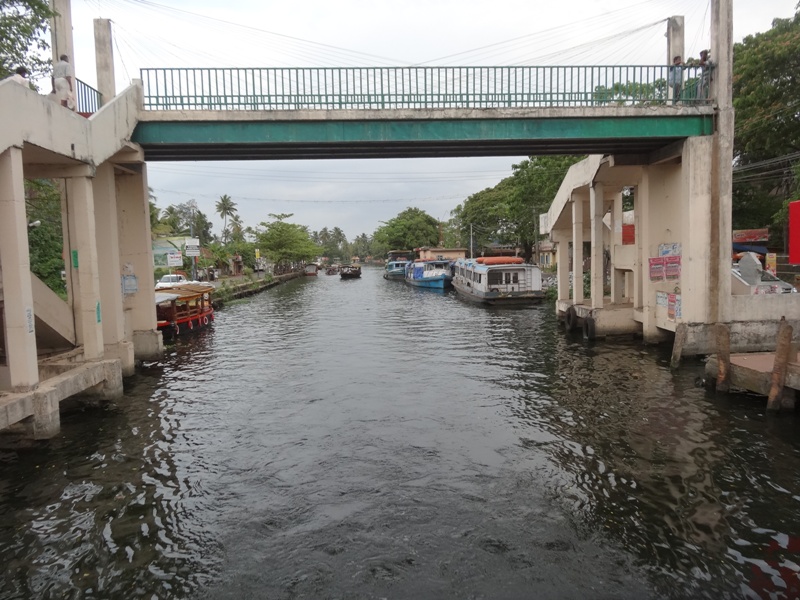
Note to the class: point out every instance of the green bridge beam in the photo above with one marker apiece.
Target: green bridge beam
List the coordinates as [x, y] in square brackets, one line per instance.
[386, 138]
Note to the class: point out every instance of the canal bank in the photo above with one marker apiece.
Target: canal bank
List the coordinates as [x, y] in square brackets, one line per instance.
[243, 287]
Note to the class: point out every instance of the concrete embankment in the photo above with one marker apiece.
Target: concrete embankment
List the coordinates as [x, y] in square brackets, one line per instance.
[229, 290]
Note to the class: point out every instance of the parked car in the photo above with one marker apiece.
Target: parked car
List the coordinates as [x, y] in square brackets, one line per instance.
[756, 279]
[171, 280]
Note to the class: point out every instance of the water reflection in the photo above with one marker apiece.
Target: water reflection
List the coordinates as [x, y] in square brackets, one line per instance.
[369, 439]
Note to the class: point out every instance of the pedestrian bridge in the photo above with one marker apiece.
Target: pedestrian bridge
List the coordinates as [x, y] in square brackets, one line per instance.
[390, 112]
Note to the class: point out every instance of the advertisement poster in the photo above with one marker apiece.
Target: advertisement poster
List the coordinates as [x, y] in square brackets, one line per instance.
[671, 302]
[657, 268]
[772, 262]
[672, 267]
[673, 249]
[661, 298]
[174, 259]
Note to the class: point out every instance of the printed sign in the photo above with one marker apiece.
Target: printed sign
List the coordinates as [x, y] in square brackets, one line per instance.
[661, 299]
[750, 235]
[772, 262]
[174, 259]
[673, 249]
[672, 267]
[192, 247]
[657, 268]
[671, 302]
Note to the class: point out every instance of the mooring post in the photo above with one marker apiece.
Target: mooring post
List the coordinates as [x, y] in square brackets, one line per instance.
[782, 351]
[681, 331]
[723, 336]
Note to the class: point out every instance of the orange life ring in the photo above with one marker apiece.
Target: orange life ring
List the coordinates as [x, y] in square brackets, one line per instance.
[205, 320]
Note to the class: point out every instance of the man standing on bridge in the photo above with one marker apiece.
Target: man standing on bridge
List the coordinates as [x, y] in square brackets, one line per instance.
[675, 78]
[62, 82]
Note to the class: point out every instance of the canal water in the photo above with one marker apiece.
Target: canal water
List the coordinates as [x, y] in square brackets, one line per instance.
[366, 439]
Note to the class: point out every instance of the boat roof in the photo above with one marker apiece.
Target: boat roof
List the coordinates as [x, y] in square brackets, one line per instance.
[185, 291]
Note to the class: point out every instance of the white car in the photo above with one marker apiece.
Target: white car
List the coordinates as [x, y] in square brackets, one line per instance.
[168, 281]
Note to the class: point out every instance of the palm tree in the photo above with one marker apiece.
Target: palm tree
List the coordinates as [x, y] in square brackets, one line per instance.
[225, 208]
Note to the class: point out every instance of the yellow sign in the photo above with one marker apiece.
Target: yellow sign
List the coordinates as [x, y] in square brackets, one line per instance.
[772, 262]
[258, 253]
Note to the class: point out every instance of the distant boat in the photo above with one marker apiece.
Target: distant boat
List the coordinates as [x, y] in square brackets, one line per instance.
[350, 271]
[311, 270]
[396, 262]
[429, 273]
[183, 309]
[498, 281]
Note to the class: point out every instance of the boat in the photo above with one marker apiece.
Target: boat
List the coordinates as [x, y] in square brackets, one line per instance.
[396, 262]
[311, 270]
[332, 270]
[184, 309]
[430, 273]
[350, 271]
[498, 281]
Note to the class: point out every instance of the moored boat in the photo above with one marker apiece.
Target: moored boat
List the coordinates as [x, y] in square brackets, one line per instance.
[350, 271]
[434, 274]
[396, 262]
[498, 281]
[184, 309]
[311, 270]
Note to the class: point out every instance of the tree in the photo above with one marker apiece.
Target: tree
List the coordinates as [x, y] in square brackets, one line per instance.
[225, 208]
[45, 241]
[284, 242]
[22, 41]
[410, 229]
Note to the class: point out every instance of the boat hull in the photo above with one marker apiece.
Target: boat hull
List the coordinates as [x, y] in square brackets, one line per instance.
[186, 325]
[499, 298]
[395, 275]
[434, 283]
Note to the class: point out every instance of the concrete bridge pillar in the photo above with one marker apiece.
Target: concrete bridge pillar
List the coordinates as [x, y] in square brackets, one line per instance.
[561, 240]
[82, 260]
[597, 209]
[20, 373]
[617, 275]
[114, 343]
[136, 258]
[577, 248]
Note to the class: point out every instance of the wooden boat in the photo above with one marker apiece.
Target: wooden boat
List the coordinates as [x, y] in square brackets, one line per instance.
[498, 281]
[396, 263]
[350, 271]
[332, 270]
[429, 273]
[184, 309]
[311, 270]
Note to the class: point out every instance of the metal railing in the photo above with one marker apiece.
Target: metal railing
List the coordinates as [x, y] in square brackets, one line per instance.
[419, 87]
[87, 98]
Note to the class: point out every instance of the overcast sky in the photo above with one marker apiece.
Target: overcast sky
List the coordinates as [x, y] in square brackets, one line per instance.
[357, 195]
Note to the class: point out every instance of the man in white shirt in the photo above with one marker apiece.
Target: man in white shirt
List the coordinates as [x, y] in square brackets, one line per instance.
[62, 82]
[20, 76]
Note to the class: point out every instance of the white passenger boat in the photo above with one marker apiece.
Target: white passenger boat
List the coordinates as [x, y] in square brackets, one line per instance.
[498, 280]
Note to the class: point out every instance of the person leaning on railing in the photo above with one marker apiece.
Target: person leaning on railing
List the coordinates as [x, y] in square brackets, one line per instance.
[704, 81]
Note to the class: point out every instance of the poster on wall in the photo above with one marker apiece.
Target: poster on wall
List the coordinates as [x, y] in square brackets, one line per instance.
[661, 299]
[657, 268]
[672, 267]
[673, 249]
[671, 302]
[772, 262]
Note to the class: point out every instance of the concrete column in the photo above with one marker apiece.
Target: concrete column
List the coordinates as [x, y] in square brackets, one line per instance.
[562, 263]
[104, 57]
[114, 342]
[577, 248]
[617, 275]
[21, 373]
[596, 210]
[88, 311]
[136, 258]
[61, 31]
[722, 169]
[640, 194]
[675, 44]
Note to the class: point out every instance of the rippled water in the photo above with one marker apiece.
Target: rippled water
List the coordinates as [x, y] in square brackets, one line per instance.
[365, 439]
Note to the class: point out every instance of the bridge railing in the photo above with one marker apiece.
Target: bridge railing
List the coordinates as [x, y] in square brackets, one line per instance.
[86, 97]
[419, 87]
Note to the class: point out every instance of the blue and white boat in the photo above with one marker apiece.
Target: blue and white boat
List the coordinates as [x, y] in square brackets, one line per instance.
[498, 281]
[434, 274]
[396, 264]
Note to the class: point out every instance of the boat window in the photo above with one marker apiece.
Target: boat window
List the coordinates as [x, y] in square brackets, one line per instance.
[508, 278]
[515, 277]
[479, 277]
[495, 278]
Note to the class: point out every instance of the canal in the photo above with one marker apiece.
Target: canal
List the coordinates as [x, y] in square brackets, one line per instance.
[365, 439]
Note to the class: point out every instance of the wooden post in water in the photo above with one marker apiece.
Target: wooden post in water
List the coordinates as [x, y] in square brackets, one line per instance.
[723, 337]
[782, 351]
[681, 332]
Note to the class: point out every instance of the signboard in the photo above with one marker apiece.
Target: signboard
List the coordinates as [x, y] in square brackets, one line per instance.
[258, 253]
[174, 259]
[794, 232]
[772, 262]
[671, 302]
[657, 268]
[750, 235]
[192, 247]
[673, 249]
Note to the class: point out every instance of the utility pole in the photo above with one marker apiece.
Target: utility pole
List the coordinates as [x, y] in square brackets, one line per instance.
[471, 253]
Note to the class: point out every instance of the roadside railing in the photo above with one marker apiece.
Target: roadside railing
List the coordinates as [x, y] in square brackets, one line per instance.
[87, 98]
[421, 87]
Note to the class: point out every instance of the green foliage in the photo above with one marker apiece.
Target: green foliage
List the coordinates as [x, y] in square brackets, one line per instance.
[46, 242]
[22, 41]
[412, 228]
[285, 242]
[225, 208]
